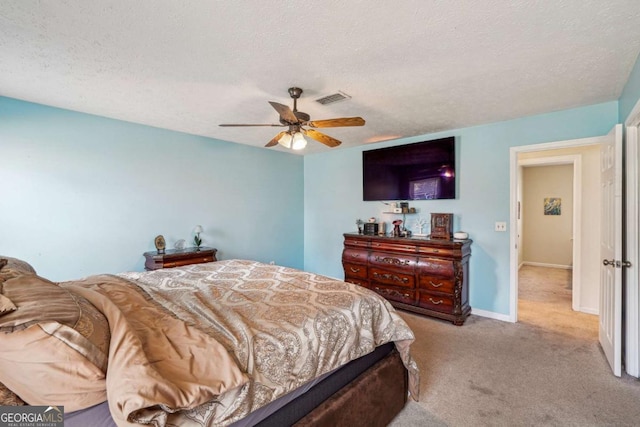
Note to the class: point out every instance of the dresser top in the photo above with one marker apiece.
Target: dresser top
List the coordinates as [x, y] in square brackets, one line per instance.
[419, 240]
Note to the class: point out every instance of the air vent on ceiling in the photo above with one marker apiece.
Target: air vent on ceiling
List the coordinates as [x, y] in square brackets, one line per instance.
[334, 97]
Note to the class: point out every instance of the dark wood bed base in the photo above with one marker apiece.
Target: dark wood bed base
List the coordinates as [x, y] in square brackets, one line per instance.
[359, 393]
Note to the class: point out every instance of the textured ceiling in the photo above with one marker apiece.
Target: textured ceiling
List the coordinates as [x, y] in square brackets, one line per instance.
[411, 67]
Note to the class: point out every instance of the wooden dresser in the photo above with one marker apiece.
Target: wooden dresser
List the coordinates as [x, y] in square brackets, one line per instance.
[421, 275]
[178, 257]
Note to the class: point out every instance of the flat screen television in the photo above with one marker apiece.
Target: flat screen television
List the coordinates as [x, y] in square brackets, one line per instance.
[418, 171]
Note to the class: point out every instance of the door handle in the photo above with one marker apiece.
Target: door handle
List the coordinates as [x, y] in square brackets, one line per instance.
[612, 263]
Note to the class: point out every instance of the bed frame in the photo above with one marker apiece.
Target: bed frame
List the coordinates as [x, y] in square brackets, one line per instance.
[367, 391]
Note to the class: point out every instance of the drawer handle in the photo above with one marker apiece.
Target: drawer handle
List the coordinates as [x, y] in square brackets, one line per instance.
[435, 285]
[376, 244]
[354, 270]
[389, 276]
[355, 255]
[436, 250]
[436, 302]
[394, 261]
[391, 292]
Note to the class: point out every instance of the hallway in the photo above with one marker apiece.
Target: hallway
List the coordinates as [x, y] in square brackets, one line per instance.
[544, 300]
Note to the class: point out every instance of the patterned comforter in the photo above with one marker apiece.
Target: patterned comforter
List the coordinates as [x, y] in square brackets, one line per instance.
[280, 327]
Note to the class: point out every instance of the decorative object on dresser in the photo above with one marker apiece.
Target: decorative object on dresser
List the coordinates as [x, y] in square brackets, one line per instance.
[441, 225]
[460, 235]
[371, 227]
[396, 227]
[382, 229]
[423, 275]
[179, 257]
[420, 224]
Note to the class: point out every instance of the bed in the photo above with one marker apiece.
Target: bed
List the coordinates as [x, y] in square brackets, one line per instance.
[233, 342]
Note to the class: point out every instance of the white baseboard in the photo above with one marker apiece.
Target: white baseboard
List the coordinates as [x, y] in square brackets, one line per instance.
[542, 264]
[492, 315]
[589, 310]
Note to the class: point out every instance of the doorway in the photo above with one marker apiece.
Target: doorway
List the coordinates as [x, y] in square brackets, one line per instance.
[549, 220]
[586, 219]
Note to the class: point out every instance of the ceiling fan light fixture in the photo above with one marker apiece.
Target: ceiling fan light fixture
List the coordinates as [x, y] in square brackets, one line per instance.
[294, 137]
[285, 140]
[299, 142]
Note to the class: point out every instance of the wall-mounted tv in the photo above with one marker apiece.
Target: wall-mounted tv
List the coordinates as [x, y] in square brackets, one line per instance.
[419, 171]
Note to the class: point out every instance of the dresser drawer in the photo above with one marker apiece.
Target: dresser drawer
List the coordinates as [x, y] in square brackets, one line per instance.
[435, 266]
[356, 242]
[385, 259]
[357, 256]
[187, 261]
[406, 296]
[355, 270]
[357, 281]
[394, 278]
[443, 252]
[393, 246]
[436, 284]
[436, 302]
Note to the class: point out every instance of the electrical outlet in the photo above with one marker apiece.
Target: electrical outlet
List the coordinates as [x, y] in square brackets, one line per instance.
[501, 226]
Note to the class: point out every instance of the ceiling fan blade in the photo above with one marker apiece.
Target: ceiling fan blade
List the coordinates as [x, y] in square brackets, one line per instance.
[330, 123]
[321, 137]
[239, 124]
[285, 112]
[275, 139]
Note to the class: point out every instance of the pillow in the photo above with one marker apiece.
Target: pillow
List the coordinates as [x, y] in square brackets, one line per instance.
[54, 346]
[13, 267]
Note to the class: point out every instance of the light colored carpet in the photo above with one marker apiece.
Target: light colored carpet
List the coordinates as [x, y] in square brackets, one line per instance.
[546, 370]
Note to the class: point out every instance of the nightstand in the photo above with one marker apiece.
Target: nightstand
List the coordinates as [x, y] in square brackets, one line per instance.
[179, 257]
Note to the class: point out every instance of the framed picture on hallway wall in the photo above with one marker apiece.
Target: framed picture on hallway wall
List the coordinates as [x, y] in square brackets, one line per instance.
[552, 206]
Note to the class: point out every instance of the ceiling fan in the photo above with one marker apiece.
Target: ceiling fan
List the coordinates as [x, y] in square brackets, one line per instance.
[295, 120]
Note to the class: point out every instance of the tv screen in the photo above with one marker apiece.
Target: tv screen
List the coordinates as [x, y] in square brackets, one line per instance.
[419, 171]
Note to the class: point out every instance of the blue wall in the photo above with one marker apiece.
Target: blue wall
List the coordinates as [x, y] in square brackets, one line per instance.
[333, 194]
[83, 194]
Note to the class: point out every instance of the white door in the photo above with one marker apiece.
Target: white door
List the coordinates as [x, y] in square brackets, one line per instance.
[611, 250]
